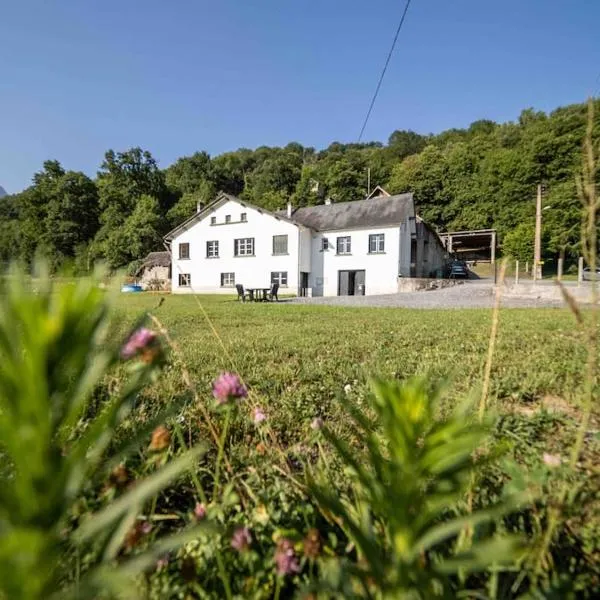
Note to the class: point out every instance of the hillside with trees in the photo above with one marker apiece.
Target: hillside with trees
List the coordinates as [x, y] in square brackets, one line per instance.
[478, 177]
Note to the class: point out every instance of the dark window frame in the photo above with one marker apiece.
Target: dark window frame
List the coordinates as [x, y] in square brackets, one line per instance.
[237, 245]
[243, 217]
[185, 245]
[280, 277]
[213, 220]
[377, 243]
[280, 238]
[227, 218]
[224, 275]
[344, 243]
[208, 249]
[183, 277]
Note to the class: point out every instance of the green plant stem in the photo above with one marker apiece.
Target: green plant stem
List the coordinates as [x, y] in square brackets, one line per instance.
[221, 451]
[223, 575]
[587, 191]
[277, 588]
[195, 478]
[203, 498]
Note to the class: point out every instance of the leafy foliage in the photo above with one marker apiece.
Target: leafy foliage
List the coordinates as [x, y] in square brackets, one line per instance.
[55, 351]
[481, 176]
[406, 496]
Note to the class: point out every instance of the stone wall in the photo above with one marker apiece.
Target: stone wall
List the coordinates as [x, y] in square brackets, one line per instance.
[423, 284]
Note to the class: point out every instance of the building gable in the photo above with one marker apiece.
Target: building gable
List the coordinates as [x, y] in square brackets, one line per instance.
[217, 203]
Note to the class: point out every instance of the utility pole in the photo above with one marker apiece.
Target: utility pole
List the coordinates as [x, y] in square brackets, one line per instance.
[368, 181]
[537, 247]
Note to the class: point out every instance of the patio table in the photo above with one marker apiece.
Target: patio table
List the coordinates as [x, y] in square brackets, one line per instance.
[258, 294]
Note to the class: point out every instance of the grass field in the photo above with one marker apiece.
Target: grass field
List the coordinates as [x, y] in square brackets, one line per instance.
[303, 356]
[299, 360]
[255, 476]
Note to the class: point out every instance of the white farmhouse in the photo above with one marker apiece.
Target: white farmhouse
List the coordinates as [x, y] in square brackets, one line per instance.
[346, 248]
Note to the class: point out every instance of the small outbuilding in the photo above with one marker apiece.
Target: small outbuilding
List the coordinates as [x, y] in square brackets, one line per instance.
[155, 272]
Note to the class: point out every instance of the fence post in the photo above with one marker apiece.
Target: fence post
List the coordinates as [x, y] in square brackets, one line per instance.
[527, 267]
[516, 271]
[560, 268]
[580, 271]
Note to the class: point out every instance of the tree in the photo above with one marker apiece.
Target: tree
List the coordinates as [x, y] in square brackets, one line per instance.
[189, 173]
[403, 143]
[518, 243]
[130, 184]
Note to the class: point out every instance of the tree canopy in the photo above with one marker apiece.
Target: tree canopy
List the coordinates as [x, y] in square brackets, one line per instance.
[482, 176]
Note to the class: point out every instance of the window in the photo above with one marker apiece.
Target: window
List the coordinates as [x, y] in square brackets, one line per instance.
[343, 245]
[324, 244]
[243, 247]
[376, 243]
[227, 218]
[243, 217]
[227, 279]
[184, 251]
[279, 277]
[212, 249]
[280, 244]
[185, 280]
[213, 220]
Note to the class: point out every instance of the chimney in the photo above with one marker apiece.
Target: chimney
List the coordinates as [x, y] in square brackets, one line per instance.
[199, 207]
[328, 201]
[289, 210]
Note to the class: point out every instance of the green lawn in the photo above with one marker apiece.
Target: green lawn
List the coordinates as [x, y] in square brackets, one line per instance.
[301, 357]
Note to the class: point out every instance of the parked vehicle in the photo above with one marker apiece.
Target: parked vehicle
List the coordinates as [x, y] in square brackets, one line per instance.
[131, 287]
[459, 270]
[588, 274]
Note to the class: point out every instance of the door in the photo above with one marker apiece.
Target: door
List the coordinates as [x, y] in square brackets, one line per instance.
[343, 283]
[359, 283]
[351, 283]
[303, 283]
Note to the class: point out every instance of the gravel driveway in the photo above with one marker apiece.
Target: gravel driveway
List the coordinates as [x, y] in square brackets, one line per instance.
[471, 294]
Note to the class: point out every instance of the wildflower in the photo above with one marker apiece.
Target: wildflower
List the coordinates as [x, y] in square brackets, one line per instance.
[347, 388]
[142, 342]
[261, 448]
[162, 562]
[258, 415]
[199, 511]
[241, 539]
[228, 387]
[317, 423]
[261, 514]
[312, 543]
[118, 476]
[161, 438]
[285, 558]
[136, 533]
[551, 460]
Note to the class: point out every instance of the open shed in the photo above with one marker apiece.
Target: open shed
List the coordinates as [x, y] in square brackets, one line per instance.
[474, 245]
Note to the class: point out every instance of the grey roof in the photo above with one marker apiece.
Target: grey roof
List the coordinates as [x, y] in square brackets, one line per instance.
[157, 259]
[372, 212]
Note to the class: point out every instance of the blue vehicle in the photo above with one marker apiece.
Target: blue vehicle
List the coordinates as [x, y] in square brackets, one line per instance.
[459, 270]
[131, 287]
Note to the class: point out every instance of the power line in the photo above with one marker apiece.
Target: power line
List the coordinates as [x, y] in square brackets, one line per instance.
[387, 62]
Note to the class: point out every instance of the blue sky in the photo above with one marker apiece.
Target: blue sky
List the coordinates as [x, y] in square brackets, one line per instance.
[80, 76]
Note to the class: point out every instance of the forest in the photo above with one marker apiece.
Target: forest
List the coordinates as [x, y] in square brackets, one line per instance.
[482, 176]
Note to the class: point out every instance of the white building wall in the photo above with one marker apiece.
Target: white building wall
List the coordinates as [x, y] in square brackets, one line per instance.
[381, 270]
[305, 249]
[250, 271]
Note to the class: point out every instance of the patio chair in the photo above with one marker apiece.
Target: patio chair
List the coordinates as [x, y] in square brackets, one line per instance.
[242, 295]
[273, 293]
